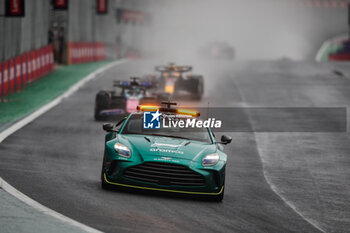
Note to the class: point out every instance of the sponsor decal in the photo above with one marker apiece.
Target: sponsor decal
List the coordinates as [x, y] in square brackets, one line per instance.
[14, 8]
[60, 4]
[168, 159]
[163, 144]
[191, 123]
[151, 120]
[102, 6]
[166, 150]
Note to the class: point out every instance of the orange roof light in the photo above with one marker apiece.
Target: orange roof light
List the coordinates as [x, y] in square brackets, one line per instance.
[147, 107]
[187, 112]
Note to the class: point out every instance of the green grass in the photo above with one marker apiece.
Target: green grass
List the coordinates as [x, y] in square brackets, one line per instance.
[42, 91]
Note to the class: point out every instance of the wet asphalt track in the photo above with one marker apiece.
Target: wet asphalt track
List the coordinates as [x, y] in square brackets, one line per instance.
[56, 160]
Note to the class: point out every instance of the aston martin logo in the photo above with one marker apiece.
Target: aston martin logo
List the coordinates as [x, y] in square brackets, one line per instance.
[165, 158]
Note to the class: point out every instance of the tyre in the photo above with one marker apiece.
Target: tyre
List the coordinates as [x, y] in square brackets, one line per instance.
[104, 184]
[198, 88]
[102, 102]
[220, 197]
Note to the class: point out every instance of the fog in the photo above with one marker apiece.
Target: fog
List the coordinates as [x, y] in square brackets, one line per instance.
[257, 29]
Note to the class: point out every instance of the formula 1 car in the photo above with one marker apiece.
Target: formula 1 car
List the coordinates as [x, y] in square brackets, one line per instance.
[173, 160]
[217, 50]
[172, 81]
[125, 98]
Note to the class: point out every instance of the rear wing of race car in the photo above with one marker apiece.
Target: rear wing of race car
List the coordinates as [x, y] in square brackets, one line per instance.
[130, 84]
[172, 68]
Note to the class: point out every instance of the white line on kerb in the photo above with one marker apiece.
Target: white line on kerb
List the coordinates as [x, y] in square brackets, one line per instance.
[20, 124]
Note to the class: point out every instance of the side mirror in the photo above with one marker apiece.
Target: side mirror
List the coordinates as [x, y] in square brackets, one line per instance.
[225, 139]
[108, 127]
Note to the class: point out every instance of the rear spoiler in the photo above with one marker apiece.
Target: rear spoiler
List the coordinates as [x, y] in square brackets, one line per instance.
[117, 83]
[129, 84]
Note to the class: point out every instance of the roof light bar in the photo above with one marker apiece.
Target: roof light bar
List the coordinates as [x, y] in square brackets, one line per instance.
[188, 112]
[181, 111]
[147, 107]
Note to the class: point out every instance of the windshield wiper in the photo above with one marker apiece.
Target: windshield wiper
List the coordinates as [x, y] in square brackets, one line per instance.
[170, 136]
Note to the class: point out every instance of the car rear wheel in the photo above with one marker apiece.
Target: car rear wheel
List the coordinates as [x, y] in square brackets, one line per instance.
[102, 102]
[198, 88]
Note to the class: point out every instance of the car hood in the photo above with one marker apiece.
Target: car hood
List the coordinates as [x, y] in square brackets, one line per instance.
[167, 147]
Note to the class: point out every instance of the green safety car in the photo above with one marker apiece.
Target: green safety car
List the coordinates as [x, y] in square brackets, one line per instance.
[166, 159]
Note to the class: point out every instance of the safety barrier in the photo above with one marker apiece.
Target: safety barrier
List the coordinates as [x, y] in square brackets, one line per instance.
[339, 57]
[16, 72]
[81, 52]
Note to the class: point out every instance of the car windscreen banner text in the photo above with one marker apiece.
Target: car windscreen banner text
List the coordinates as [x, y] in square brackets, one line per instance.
[252, 120]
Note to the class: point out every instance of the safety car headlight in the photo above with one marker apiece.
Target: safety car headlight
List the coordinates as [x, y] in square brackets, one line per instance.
[122, 150]
[210, 160]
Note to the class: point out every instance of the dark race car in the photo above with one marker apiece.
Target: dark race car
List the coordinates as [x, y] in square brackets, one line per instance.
[173, 82]
[124, 99]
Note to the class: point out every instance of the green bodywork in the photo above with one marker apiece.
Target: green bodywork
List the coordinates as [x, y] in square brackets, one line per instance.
[142, 150]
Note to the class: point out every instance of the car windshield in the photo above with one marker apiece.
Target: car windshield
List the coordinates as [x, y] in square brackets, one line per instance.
[134, 126]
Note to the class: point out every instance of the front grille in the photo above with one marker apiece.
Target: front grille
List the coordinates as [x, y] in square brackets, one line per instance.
[165, 174]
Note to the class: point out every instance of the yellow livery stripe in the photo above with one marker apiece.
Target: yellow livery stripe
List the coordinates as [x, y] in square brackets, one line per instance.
[164, 190]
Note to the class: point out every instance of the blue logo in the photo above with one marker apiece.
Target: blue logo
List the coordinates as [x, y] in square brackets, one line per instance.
[151, 120]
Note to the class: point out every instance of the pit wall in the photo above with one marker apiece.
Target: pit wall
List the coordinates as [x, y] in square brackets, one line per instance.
[25, 68]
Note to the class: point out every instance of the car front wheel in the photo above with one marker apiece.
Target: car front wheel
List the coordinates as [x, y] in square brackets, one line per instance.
[104, 184]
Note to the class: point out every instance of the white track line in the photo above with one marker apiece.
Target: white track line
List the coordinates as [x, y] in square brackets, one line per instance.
[245, 104]
[20, 124]
[275, 190]
[43, 209]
